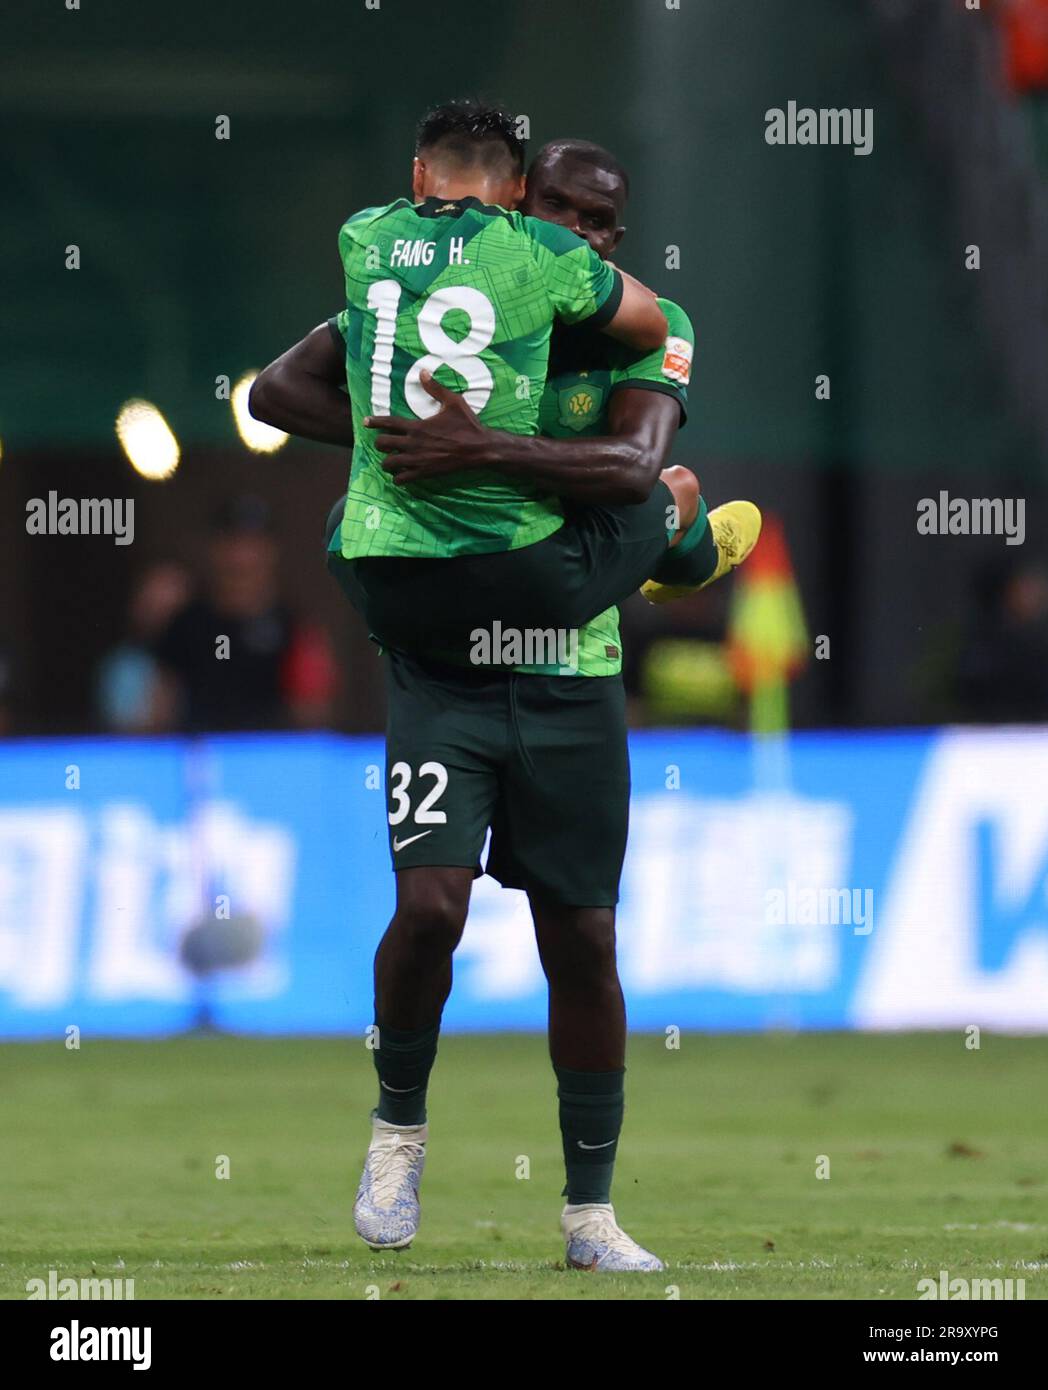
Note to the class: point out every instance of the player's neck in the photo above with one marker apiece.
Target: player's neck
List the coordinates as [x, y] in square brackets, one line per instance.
[452, 190]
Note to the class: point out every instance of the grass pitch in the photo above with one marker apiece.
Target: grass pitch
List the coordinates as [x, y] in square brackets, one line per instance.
[108, 1159]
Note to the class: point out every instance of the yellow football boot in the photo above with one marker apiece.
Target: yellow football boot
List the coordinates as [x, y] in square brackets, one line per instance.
[736, 528]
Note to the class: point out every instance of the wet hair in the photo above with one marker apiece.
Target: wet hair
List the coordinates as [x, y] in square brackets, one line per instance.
[472, 135]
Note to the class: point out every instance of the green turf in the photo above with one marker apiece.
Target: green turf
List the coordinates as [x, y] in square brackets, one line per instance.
[107, 1167]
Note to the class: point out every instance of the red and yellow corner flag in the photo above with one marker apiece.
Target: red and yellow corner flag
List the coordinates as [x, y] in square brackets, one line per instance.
[767, 635]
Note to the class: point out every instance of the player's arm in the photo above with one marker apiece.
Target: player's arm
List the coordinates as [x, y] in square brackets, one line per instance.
[647, 406]
[638, 321]
[614, 469]
[304, 391]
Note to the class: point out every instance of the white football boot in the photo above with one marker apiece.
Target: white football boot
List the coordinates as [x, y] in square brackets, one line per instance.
[597, 1241]
[386, 1212]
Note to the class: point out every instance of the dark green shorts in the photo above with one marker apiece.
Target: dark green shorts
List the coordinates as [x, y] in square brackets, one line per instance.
[541, 760]
[434, 607]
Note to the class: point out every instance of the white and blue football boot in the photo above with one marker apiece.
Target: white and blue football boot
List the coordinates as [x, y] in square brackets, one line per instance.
[597, 1241]
[386, 1212]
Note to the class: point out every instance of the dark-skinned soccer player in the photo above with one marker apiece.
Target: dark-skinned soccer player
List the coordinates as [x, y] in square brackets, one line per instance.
[537, 753]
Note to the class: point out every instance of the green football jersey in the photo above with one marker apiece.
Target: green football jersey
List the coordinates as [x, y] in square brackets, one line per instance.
[585, 369]
[470, 293]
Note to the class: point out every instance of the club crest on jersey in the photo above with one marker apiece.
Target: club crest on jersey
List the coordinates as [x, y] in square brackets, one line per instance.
[676, 360]
[580, 404]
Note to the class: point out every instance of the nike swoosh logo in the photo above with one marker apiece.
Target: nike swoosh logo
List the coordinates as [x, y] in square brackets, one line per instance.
[403, 844]
[398, 1090]
[595, 1146]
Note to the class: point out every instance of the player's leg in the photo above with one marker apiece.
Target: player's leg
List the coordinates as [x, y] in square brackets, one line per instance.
[587, 1014]
[597, 559]
[587, 1039]
[559, 832]
[700, 548]
[733, 530]
[444, 736]
[605, 549]
[412, 983]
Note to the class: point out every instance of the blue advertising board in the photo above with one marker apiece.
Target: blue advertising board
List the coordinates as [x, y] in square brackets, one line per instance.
[879, 880]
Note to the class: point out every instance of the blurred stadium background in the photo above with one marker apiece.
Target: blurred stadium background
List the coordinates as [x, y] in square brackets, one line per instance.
[203, 259]
[180, 855]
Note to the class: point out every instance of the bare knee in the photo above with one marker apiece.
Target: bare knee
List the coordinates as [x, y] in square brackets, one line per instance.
[684, 485]
[431, 909]
[577, 946]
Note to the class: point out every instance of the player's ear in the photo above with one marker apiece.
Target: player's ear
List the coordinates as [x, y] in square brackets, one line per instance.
[516, 197]
[620, 232]
[418, 179]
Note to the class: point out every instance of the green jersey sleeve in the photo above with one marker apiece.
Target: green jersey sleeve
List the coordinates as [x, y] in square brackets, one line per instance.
[579, 284]
[668, 368]
[337, 329]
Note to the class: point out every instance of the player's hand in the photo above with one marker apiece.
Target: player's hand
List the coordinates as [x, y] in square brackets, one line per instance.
[448, 442]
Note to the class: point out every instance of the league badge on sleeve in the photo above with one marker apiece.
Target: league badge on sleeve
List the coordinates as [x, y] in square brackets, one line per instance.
[676, 361]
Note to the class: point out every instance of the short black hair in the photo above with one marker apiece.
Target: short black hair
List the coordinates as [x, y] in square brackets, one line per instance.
[472, 134]
[587, 153]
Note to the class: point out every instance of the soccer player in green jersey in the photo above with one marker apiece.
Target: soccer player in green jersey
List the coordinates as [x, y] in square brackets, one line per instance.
[541, 756]
[456, 287]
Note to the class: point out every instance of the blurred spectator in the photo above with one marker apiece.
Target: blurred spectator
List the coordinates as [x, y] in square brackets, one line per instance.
[237, 658]
[1002, 666]
[126, 680]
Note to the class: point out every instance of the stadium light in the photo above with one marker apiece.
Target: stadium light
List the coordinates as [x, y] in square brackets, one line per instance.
[259, 437]
[147, 440]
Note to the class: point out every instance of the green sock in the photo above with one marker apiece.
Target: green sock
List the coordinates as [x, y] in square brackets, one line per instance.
[591, 1106]
[694, 558]
[404, 1059]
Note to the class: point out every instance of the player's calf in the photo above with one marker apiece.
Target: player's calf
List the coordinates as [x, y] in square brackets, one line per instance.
[413, 961]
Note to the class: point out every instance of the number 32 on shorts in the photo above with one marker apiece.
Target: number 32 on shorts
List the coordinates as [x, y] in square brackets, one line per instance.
[400, 781]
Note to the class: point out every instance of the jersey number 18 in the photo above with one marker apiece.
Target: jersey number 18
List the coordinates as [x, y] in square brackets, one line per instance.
[442, 350]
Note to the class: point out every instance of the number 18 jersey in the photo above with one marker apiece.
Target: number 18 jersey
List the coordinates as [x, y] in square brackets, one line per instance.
[468, 292]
